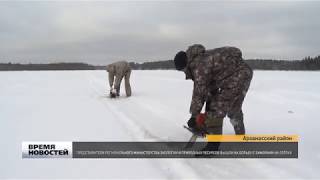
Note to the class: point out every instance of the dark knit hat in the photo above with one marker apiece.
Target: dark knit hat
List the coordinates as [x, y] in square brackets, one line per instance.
[180, 60]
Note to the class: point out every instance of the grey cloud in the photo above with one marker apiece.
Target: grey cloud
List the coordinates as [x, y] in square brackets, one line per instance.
[101, 32]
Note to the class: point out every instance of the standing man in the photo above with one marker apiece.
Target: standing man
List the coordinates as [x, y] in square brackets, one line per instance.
[117, 71]
[221, 80]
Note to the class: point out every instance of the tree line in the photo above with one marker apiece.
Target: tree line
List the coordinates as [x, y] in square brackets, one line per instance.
[51, 66]
[308, 63]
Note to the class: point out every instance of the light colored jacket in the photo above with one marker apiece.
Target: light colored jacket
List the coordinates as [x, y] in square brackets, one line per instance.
[117, 71]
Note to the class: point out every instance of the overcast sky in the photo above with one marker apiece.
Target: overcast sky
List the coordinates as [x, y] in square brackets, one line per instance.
[103, 32]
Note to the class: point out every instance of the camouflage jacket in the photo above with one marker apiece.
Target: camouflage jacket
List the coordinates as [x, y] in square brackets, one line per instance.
[209, 69]
[118, 69]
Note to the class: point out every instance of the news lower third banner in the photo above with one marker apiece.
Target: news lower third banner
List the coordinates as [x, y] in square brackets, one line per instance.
[215, 146]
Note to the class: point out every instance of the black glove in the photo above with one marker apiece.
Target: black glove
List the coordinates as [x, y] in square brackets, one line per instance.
[112, 93]
[200, 130]
[192, 122]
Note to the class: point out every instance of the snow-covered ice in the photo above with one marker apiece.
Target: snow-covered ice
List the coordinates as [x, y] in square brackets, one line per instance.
[73, 106]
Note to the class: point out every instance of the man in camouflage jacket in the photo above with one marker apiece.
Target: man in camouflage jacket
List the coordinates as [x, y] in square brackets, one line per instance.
[117, 71]
[221, 80]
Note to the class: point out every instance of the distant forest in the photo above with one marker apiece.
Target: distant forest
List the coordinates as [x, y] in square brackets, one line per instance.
[51, 66]
[308, 63]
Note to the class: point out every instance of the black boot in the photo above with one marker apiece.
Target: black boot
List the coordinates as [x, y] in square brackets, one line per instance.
[209, 150]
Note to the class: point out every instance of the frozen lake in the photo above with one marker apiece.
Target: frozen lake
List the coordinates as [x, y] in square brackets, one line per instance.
[73, 106]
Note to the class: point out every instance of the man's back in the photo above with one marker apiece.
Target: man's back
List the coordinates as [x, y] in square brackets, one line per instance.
[226, 61]
[118, 68]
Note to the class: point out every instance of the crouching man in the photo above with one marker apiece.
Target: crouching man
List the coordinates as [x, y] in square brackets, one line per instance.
[221, 80]
[117, 71]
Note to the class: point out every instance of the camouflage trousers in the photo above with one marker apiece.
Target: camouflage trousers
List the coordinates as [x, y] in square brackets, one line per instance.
[126, 83]
[227, 101]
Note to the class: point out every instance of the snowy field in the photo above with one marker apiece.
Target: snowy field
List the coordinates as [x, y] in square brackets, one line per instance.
[73, 106]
